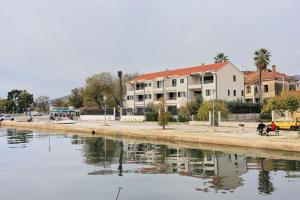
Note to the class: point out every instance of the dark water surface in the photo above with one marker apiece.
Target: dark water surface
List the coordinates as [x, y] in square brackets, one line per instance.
[40, 166]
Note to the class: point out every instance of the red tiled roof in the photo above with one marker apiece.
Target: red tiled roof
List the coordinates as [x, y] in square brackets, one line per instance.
[266, 75]
[296, 92]
[181, 71]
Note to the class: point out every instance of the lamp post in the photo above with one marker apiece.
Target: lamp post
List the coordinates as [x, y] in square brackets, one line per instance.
[105, 122]
[213, 112]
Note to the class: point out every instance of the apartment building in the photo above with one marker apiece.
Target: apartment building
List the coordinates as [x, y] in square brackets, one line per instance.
[178, 86]
[273, 83]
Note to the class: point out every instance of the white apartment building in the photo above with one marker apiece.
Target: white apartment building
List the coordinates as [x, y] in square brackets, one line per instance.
[178, 86]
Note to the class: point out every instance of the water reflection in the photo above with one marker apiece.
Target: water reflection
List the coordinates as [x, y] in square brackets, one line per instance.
[220, 171]
[212, 171]
[18, 137]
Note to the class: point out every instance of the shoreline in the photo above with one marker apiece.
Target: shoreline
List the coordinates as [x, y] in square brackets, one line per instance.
[172, 136]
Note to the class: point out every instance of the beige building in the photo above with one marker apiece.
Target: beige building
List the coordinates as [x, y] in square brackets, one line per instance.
[214, 81]
[273, 83]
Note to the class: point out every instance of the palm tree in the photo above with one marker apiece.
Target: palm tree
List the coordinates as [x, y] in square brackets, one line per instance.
[220, 58]
[261, 60]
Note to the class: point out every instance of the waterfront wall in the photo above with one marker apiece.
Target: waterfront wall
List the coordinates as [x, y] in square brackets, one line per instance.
[171, 135]
[132, 118]
[97, 118]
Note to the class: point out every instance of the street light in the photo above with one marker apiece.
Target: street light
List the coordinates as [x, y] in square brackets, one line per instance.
[105, 122]
[213, 112]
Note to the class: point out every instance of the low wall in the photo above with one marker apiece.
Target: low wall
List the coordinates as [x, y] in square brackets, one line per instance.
[97, 117]
[199, 123]
[242, 117]
[236, 124]
[132, 118]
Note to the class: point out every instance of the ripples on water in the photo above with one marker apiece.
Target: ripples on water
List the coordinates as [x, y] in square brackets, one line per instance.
[41, 165]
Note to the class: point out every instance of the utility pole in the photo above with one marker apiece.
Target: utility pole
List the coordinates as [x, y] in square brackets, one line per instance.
[213, 113]
[121, 88]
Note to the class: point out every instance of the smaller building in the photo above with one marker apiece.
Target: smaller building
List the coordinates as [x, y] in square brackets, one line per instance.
[273, 83]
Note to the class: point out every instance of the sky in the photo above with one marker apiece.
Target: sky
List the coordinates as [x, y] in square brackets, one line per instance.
[49, 47]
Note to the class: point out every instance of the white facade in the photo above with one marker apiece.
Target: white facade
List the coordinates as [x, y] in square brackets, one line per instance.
[226, 83]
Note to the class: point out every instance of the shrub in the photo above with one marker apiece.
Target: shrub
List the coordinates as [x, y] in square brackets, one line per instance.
[237, 107]
[193, 106]
[206, 106]
[184, 114]
[151, 113]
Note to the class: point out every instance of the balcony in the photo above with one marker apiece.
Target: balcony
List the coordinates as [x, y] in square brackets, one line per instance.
[195, 86]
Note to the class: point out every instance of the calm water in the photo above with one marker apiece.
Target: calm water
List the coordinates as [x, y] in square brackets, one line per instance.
[37, 166]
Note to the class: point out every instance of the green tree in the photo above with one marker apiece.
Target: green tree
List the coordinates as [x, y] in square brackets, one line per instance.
[77, 97]
[285, 102]
[163, 115]
[25, 100]
[291, 101]
[262, 60]
[18, 100]
[3, 105]
[100, 85]
[221, 58]
[206, 106]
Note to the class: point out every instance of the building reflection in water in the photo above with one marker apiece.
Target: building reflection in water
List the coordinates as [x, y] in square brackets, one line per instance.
[222, 171]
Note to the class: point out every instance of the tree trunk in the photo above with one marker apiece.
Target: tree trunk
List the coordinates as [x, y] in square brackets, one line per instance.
[260, 89]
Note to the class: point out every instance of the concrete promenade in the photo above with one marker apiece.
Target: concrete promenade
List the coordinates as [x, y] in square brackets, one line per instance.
[246, 137]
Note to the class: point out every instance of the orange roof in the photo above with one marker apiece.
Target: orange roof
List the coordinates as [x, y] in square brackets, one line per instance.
[181, 71]
[266, 75]
[296, 92]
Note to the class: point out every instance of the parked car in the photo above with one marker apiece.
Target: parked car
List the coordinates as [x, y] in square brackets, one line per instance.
[287, 123]
[7, 117]
[38, 114]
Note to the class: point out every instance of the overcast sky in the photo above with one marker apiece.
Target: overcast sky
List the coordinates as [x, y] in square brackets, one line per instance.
[49, 47]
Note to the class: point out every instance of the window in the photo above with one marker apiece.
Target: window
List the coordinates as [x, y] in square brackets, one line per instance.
[234, 78]
[208, 79]
[140, 97]
[234, 92]
[140, 86]
[266, 88]
[158, 96]
[182, 80]
[130, 97]
[228, 92]
[181, 94]
[174, 82]
[242, 93]
[172, 96]
[159, 84]
[248, 89]
[256, 90]
[207, 92]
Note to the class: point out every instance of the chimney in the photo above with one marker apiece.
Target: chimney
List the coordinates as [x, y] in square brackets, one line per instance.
[273, 68]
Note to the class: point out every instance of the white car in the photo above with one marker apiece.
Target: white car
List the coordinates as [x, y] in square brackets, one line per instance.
[7, 117]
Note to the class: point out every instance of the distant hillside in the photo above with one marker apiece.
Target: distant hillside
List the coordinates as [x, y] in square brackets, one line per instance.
[297, 77]
[64, 98]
